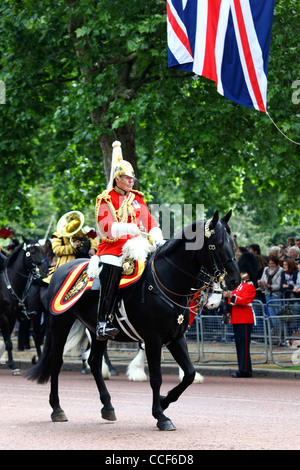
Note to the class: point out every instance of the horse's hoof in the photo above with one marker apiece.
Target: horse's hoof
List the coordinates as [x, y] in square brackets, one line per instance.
[58, 417]
[16, 372]
[108, 414]
[166, 425]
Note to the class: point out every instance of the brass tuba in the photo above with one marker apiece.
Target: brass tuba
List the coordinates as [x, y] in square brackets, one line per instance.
[70, 226]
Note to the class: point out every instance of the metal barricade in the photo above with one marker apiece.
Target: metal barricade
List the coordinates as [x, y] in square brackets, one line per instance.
[283, 318]
[210, 342]
[216, 344]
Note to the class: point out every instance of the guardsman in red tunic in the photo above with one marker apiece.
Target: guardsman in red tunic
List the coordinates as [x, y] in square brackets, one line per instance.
[120, 213]
[242, 318]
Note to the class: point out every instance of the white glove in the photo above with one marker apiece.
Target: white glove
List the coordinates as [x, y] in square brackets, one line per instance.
[157, 236]
[118, 229]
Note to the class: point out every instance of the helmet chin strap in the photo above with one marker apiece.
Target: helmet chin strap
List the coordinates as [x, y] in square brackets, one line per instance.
[122, 190]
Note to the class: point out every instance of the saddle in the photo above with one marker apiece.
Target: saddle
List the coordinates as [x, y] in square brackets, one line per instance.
[76, 282]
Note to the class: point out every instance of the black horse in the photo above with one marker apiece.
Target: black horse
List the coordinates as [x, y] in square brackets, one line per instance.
[157, 313]
[26, 263]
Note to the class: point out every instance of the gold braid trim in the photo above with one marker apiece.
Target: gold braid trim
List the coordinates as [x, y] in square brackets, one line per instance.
[137, 192]
[119, 215]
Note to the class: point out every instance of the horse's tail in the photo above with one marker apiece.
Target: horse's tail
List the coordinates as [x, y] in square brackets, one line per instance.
[136, 368]
[76, 337]
[41, 372]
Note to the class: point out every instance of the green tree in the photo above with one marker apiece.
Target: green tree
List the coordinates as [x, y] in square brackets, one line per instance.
[80, 75]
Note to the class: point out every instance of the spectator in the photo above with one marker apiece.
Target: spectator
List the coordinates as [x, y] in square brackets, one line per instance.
[262, 261]
[248, 263]
[270, 285]
[282, 253]
[297, 243]
[290, 241]
[293, 252]
[297, 286]
[275, 251]
[288, 278]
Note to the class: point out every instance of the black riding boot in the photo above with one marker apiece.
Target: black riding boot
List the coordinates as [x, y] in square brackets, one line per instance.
[109, 282]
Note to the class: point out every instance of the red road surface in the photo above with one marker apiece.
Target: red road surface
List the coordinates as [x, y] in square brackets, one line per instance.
[221, 414]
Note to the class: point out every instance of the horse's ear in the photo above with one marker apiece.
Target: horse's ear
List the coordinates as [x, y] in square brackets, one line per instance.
[215, 219]
[24, 239]
[226, 217]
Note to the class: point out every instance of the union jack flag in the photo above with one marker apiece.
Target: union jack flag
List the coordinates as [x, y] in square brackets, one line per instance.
[227, 41]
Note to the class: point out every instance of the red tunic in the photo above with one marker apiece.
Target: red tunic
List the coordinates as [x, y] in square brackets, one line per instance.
[107, 214]
[241, 310]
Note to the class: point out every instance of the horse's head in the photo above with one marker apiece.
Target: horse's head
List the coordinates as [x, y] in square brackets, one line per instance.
[220, 248]
[35, 257]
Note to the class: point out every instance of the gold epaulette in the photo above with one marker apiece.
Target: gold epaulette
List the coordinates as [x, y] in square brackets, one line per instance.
[107, 198]
[103, 196]
[139, 193]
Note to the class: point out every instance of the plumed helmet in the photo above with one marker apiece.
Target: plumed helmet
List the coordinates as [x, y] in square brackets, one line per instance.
[119, 166]
[123, 168]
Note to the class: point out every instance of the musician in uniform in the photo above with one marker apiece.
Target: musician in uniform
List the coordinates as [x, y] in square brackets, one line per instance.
[242, 318]
[70, 241]
[120, 213]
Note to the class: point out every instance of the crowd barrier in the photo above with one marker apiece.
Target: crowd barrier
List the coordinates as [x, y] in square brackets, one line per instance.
[211, 342]
[215, 340]
[283, 319]
[275, 338]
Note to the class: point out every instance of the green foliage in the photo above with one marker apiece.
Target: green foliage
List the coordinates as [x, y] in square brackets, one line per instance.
[79, 72]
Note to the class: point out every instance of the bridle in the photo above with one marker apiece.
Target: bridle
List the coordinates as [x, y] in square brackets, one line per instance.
[34, 273]
[218, 276]
[32, 266]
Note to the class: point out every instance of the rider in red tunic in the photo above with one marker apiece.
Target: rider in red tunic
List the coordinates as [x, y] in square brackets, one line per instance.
[120, 214]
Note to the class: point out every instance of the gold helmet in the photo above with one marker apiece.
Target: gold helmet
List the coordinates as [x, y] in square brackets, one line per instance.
[123, 168]
[119, 166]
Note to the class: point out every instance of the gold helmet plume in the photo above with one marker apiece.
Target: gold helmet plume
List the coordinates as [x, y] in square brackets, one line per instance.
[118, 165]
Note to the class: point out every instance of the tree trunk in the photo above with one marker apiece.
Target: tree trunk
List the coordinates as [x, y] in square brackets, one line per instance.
[124, 134]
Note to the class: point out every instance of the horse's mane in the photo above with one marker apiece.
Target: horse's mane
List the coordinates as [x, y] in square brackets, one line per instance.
[12, 258]
[177, 239]
[190, 229]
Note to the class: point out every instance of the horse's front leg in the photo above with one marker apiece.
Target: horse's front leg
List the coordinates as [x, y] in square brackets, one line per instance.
[154, 357]
[95, 363]
[179, 351]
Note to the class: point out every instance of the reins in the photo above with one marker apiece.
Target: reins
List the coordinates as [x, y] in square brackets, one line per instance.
[156, 278]
[217, 276]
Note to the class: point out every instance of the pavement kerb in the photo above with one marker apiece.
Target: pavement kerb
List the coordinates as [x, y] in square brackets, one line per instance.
[172, 369]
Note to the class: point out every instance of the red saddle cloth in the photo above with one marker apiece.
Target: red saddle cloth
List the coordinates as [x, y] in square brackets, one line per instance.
[77, 282]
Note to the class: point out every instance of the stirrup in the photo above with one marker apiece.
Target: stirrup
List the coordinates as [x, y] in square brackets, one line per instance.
[104, 332]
